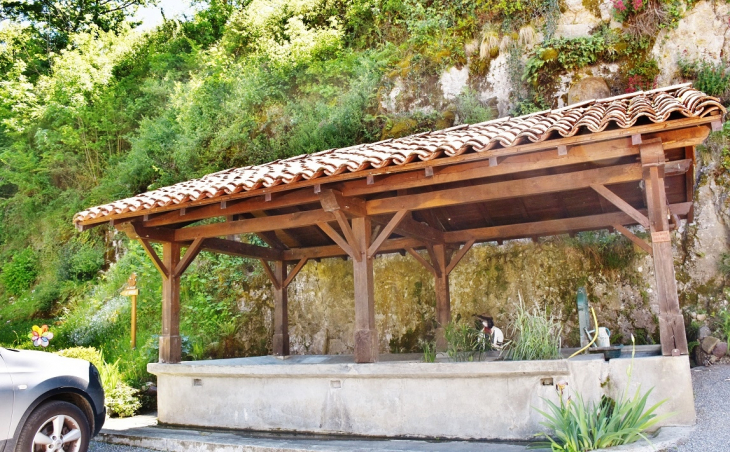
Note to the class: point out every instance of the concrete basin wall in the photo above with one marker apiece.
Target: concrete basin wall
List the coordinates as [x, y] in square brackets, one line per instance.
[480, 400]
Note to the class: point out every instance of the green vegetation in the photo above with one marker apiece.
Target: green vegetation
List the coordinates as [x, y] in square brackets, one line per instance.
[579, 425]
[120, 398]
[465, 343]
[535, 335]
[712, 78]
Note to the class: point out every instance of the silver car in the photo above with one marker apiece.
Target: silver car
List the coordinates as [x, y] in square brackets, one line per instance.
[48, 402]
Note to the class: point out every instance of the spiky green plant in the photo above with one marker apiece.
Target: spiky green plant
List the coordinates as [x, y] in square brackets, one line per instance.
[579, 425]
[465, 343]
[535, 333]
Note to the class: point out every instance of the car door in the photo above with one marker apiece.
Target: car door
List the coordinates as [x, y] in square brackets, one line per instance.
[6, 402]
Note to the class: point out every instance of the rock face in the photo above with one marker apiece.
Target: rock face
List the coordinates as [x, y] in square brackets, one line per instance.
[587, 89]
[703, 33]
[576, 20]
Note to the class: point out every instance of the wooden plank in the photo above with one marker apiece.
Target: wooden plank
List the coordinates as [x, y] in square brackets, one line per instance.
[621, 204]
[631, 236]
[507, 189]
[366, 334]
[459, 255]
[422, 261]
[280, 339]
[223, 246]
[338, 239]
[292, 220]
[152, 234]
[170, 342]
[387, 230]
[698, 126]
[155, 258]
[188, 257]
[273, 277]
[295, 271]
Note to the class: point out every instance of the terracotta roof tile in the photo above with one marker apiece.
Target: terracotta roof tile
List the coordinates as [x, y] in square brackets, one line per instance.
[624, 111]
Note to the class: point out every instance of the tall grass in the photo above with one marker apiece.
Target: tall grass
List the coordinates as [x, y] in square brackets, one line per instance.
[465, 343]
[536, 335]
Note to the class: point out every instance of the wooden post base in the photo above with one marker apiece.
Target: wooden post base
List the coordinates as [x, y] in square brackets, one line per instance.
[671, 331]
[281, 344]
[170, 349]
[366, 346]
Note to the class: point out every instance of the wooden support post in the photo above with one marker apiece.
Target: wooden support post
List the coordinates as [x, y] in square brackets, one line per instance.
[671, 322]
[366, 336]
[281, 311]
[443, 297]
[170, 344]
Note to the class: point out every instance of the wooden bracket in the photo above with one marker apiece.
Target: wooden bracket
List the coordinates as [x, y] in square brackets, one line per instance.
[274, 280]
[423, 262]
[621, 204]
[189, 256]
[458, 256]
[155, 258]
[429, 171]
[631, 236]
[434, 261]
[492, 161]
[339, 240]
[294, 272]
[370, 179]
[716, 126]
[385, 233]
[562, 150]
[636, 140]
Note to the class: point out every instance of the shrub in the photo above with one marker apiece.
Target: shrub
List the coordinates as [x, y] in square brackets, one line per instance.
[18, 274]
[710, 78]
[536, 335]
[119, 398]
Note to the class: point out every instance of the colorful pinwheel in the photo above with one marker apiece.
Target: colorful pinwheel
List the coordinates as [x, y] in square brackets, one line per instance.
[40, 335]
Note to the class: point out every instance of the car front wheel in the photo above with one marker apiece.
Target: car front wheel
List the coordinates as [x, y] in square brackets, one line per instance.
[55, 426]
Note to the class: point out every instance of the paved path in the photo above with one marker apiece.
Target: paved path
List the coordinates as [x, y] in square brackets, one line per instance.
[712, 402]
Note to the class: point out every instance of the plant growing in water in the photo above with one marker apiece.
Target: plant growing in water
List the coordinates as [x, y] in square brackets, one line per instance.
[465, 343]
[536, 335]
[581, 426]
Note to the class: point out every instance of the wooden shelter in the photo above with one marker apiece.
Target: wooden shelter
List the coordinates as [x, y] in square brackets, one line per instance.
[610, 163]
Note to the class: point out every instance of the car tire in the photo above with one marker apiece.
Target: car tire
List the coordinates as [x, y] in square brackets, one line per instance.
[55, 426]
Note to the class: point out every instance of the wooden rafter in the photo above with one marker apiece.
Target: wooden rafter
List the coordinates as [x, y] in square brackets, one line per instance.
[241, 249]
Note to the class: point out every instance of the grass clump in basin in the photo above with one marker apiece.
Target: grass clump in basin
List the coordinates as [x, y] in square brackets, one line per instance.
[535, 333]
[579, 425]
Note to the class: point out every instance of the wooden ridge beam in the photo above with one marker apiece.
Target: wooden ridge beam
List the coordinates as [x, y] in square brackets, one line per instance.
[252, 225]
[674, 134]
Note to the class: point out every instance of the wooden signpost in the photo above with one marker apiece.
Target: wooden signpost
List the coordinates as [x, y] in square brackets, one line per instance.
[131, 290]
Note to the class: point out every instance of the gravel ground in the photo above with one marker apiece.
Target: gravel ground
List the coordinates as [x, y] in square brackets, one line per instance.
[96, 446]
[712, 402]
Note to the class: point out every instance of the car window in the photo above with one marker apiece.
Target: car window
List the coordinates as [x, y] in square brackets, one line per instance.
[6, 401]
